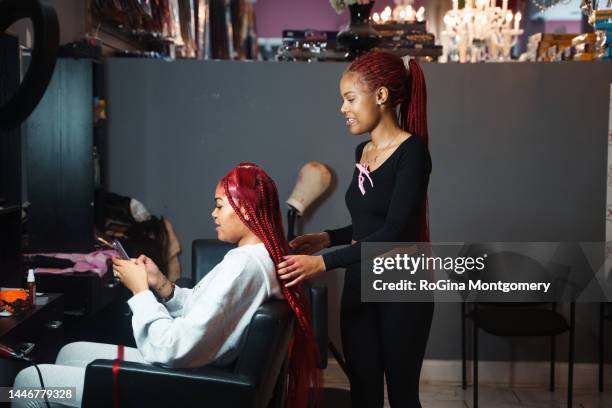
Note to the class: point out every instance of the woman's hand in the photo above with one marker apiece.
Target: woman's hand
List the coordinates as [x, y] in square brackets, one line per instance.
[132, 274]
[154, 276]
[298, 268]
[309, 244]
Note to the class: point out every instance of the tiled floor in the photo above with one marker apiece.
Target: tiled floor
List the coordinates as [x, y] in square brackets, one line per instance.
[446, 395]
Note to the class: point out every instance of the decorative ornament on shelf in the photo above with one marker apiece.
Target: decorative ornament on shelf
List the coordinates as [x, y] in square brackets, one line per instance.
[404, 31]
[602, 22]
[359, 37]
[589, 7]
[544, 5]
[340, 5]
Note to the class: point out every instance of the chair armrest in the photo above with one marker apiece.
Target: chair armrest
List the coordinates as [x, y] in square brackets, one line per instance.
[151, 385]
[184, 282]
[318, 299]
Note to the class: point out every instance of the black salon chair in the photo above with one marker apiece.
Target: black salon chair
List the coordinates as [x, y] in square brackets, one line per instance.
[518, 319]
[206, 253]
[256, 379]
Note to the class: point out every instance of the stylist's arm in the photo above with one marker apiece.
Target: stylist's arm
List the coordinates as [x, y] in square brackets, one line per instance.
[132, 274]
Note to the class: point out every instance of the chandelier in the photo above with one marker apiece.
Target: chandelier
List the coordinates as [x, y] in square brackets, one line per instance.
[481, 31]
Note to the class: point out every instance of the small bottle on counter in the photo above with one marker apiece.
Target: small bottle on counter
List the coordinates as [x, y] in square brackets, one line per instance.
[31, 288]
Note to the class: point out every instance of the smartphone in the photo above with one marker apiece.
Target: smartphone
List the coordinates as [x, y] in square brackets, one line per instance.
[119, 248]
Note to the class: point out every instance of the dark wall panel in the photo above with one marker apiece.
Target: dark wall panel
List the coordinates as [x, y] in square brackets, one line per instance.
[60, 179]
[10, 140]
[10, 171]
[519, 153]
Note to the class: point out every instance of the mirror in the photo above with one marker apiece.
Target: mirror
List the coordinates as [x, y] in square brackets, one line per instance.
[46, 42]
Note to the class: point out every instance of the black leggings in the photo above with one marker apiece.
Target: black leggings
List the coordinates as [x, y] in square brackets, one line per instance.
[383, 339]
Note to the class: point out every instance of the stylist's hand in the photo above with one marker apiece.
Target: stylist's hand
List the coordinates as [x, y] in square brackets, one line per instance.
[132, 274]
[154, 276]
[309, 244]
[297, 268]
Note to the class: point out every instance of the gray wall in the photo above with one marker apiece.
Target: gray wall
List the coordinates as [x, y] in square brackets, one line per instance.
[519, 153]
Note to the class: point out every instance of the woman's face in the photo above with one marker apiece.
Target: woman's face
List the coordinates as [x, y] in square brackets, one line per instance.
[229, 226]
[359, 105]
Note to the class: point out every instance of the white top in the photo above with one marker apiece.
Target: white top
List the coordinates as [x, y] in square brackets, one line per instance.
[206, 324]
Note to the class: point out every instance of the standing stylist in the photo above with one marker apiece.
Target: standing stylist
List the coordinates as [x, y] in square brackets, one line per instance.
[387, 200]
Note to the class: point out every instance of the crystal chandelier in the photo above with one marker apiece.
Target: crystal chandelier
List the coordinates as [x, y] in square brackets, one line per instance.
[479, 32]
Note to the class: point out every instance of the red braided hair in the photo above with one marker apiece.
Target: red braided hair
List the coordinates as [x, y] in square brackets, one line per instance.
[249, 188]
[407, 89]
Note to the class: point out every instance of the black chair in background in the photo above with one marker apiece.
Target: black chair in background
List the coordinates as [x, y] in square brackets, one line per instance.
[603, 318]
[514, 319]
[206, 253]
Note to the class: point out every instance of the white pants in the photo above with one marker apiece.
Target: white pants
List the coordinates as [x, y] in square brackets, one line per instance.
[69, 371]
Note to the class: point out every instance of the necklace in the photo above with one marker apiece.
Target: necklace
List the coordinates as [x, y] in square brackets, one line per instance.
[368, 161]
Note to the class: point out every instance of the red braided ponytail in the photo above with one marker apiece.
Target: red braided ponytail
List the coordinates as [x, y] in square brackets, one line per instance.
[248, 187]
[407, 89]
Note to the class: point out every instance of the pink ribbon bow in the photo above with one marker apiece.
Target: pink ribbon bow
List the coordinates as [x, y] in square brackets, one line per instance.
[363, 170]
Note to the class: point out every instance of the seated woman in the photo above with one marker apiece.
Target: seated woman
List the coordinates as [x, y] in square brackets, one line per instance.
[204, 325]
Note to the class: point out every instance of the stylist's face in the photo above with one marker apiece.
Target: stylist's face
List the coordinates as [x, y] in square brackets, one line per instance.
[229, 226]
[359, 105]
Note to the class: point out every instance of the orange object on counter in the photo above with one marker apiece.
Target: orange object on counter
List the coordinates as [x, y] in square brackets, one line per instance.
[12, 295]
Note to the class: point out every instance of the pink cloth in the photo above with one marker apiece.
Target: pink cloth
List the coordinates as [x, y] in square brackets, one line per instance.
[92, 262]
[363, 171]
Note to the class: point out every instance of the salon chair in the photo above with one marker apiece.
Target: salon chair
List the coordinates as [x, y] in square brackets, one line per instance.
[528, 317]
[256, 379]
[206, 253]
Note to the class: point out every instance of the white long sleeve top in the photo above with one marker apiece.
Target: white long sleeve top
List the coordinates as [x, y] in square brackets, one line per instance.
[206, 324]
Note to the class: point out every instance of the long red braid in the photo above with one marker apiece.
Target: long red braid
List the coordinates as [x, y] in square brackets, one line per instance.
[249, 188]
[407, 89]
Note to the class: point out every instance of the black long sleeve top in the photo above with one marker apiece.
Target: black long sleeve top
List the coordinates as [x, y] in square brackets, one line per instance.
[387, 212]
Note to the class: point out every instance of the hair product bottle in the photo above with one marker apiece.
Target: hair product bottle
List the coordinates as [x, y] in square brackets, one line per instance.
[31, 288]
